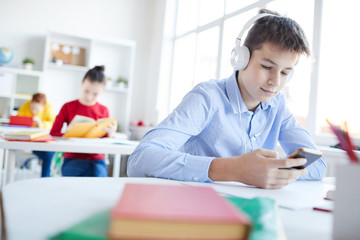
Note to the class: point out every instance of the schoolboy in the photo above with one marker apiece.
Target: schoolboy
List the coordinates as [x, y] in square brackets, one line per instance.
[227, 130]
[43, 117]
[41, 110]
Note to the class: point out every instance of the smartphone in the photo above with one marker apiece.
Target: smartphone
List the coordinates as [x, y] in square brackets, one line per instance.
[311, 156]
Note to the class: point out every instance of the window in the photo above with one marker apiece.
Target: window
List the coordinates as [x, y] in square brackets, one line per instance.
[339, 82]
[297, 90]
[183, 68]
[322, 87]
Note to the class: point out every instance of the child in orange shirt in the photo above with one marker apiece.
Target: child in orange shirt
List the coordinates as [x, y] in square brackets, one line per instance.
[44, 116]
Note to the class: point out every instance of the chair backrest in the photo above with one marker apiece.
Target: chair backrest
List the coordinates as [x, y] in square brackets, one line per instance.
[56, 164]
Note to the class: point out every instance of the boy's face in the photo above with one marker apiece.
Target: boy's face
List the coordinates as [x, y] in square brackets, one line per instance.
[90, 92]
[36, 107]
[266, 74]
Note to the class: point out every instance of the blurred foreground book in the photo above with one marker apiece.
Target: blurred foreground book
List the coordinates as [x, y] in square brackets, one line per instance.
[263, 212]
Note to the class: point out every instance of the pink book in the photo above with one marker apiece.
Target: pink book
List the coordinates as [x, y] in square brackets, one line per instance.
[149, 211]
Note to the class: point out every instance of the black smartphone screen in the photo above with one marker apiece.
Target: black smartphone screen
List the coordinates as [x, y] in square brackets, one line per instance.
[310, 155]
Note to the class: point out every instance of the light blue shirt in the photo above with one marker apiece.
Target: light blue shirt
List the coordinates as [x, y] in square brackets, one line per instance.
[207, 124]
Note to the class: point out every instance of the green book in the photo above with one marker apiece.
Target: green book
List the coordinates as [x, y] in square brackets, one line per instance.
[266, 223]
[93, 228]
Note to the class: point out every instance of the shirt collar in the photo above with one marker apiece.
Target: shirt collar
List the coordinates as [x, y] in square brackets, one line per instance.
[265, 105]
[234, 94]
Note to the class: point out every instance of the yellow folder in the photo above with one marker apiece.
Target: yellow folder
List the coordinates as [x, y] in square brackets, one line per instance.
[86, 127]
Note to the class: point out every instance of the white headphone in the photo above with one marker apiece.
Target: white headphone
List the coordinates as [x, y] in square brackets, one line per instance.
[240, 55]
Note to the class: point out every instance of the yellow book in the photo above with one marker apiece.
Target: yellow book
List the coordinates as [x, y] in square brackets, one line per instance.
[86, 127]
[25, 135]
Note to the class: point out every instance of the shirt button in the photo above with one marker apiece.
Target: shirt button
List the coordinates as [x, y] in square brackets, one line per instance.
[196, 179]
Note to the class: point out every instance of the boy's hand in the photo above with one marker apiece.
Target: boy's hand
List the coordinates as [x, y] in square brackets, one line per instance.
[111, 129]
[260, 168]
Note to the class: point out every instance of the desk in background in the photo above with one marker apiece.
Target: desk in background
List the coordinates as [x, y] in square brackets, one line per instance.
[85, 146]
[39, 208]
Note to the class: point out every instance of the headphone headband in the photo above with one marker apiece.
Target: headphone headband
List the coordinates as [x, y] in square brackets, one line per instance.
[240, 55]
[248, 24]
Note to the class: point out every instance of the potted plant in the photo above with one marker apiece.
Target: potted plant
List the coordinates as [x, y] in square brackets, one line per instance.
[121, 82]
[28, 63]
[109, 81]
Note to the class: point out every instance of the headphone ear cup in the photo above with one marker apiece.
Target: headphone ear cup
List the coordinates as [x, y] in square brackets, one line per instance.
[240, 57]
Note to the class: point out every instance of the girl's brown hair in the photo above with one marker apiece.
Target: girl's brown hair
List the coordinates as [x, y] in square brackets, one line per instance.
[96, 74]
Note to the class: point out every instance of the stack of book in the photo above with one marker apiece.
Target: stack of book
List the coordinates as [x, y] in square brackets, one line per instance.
[173, 212]
[28, 136]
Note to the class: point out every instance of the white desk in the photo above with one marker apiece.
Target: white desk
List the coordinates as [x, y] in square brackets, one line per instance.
[38, 208]
[60, 146]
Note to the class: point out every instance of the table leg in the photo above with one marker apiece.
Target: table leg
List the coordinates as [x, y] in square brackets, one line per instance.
[2, 160]
[2, 152]
[116, 165]
[9, 168]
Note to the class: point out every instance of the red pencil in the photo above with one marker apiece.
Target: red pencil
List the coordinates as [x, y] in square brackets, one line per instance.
[345, 141]
[321, 209]
[352, 155]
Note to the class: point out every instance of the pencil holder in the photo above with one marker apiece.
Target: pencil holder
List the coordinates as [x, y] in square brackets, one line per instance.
[347, 202]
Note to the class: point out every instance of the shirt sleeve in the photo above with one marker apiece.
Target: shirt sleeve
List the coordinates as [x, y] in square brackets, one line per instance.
[160, 154]
[48, 117]
[24, 110]
[106, 114]
[60, 119]
[293, 136]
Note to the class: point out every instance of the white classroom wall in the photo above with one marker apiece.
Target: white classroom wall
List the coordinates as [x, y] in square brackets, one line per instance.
[24, 24]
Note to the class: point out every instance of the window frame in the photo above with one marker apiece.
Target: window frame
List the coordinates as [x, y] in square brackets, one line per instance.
[170, 38]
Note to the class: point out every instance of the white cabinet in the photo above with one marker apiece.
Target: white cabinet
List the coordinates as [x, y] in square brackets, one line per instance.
[69, 55]
[17, 86]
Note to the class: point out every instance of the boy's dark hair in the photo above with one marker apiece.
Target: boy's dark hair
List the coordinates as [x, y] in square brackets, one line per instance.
[96, 74]
[281, 31]
[39, 98]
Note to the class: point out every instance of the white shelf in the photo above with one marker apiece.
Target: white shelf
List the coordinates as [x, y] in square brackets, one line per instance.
[18, 84]
[21, 71]
[67, 67]
[22, 96]
[4, 120]
[117, 55]
[116, 89]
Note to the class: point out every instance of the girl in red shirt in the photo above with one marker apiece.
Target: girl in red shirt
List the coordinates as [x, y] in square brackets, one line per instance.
[82, 164]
